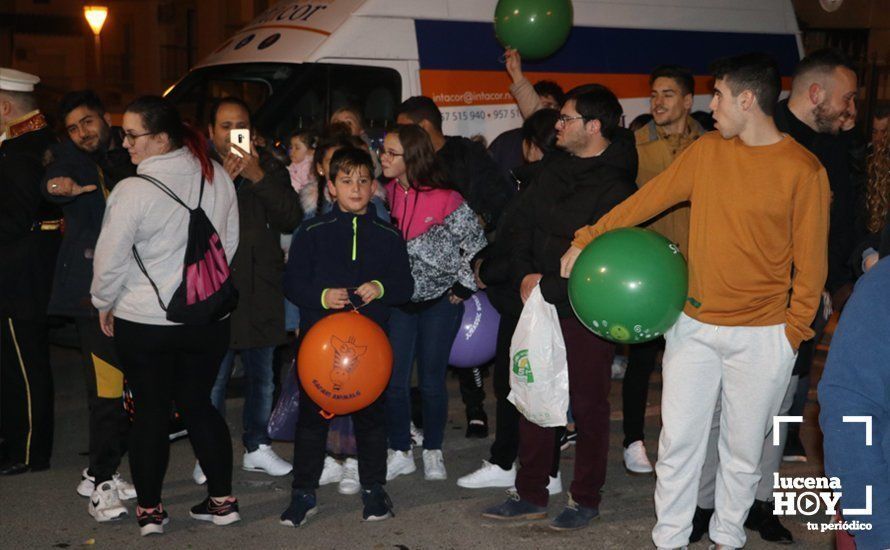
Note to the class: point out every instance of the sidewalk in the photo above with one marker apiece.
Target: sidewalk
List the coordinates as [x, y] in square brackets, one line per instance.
[42, 510]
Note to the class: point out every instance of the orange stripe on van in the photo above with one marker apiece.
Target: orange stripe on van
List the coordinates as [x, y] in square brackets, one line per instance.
[463, 88]
[296, 27]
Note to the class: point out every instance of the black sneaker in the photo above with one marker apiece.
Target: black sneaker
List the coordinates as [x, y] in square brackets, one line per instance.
[153, 522]
[574, 517]
[700, 522]
[514, 508]
[569, 438]
[378, 506]
[302, 507]
[761, 519]
[219, 514]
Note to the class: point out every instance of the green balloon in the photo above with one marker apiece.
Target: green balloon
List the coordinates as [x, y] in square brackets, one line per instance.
[537, 28]
[629, 285]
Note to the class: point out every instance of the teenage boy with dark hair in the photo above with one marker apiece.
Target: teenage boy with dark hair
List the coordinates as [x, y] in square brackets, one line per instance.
[759, 208]
[85, 169]
[821, 103]
[348, 248]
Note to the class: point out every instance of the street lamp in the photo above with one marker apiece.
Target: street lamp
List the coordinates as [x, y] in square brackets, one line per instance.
[95, 16]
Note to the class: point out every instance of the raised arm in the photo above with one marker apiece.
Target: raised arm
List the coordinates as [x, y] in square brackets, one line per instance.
[809, 242]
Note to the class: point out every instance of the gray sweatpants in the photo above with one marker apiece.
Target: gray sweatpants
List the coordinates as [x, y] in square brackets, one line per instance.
[769, 462]
[747, 370]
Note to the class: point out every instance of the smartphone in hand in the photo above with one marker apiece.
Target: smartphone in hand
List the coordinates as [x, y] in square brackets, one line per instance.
[241, 138]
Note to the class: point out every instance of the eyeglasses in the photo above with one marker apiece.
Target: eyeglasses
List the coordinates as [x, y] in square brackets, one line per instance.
[565, 119]
[131, 138]
[389, 153]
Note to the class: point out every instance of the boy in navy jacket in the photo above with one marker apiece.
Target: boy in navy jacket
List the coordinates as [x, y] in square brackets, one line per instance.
[342, 260]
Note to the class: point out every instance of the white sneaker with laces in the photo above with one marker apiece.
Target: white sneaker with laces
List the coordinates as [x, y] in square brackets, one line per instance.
[489, 475]
[125, 489]
[266, 461]
[434, 465]
[105, 504]
[332, 472]
[350, 484]
[198, 474]
[399, 463]
[635, 460]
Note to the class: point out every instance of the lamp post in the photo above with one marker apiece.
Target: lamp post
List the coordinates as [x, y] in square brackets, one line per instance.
[95, 16]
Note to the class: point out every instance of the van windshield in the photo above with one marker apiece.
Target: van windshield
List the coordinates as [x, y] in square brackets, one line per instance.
[285, 97]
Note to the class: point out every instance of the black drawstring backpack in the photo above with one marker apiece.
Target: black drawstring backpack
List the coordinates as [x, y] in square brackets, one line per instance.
[206, 293]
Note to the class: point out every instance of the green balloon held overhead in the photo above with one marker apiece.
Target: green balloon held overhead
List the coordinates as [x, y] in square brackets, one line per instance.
[629, 285]
[537, 28]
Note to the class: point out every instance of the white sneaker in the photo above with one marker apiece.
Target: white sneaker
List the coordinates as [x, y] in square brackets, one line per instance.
[265, 460]
[198, 474]
[554, 486]
[125, 489]
[105, 504]
[416, 436]
[399, 463]
[350, 484]
[434, 465]
[489, 475]
[635, 460]
[332, 472]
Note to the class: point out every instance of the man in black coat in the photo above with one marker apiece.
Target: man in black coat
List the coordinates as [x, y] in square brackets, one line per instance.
[29, 241]
[476, 176]
[267, 206]
[570, 192]
[85, 169]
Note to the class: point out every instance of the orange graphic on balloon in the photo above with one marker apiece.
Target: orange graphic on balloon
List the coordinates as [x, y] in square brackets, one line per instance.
[344, 363]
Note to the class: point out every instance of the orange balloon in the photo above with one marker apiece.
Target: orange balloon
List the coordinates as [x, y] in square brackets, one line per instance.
[344, 363]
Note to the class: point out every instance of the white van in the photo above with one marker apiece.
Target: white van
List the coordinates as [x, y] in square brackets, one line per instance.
[301, 60]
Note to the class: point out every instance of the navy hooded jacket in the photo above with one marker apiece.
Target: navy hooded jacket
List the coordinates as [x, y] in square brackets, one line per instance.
[343, 250]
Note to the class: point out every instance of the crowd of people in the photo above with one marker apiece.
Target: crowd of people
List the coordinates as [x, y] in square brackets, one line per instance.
[778, 213]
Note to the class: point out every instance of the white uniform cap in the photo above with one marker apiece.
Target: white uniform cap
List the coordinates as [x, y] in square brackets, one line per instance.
[12, 80]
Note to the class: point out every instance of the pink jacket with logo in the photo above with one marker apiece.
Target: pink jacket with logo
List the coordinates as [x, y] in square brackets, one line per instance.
[443, 235]
[415, 212]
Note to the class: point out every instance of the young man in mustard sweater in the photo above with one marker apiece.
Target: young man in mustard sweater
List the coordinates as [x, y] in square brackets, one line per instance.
[760, 205]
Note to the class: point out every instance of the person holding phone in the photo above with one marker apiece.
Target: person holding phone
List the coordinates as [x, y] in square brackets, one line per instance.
[268, 206]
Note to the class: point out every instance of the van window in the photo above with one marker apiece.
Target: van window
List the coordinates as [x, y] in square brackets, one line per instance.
[375, 91]
[287, 97]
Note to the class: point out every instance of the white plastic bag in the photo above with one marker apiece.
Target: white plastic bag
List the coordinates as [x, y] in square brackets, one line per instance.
[539, 372]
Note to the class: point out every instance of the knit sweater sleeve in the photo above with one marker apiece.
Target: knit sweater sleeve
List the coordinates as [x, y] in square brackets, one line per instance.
[672, 186]
[526, 97]
[809, 235]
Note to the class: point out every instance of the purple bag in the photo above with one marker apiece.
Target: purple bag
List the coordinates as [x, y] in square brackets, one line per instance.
[283, 422]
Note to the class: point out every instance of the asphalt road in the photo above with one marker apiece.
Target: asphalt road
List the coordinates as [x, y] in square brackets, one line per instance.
[42, 510]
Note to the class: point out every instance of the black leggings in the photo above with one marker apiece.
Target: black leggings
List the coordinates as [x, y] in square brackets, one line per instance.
[167, 364]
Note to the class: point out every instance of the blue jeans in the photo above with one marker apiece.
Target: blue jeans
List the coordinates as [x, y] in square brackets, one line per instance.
[258, 373]
[427, 335]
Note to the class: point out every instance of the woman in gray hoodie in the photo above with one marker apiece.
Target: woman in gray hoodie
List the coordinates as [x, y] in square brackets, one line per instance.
[165, 361]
